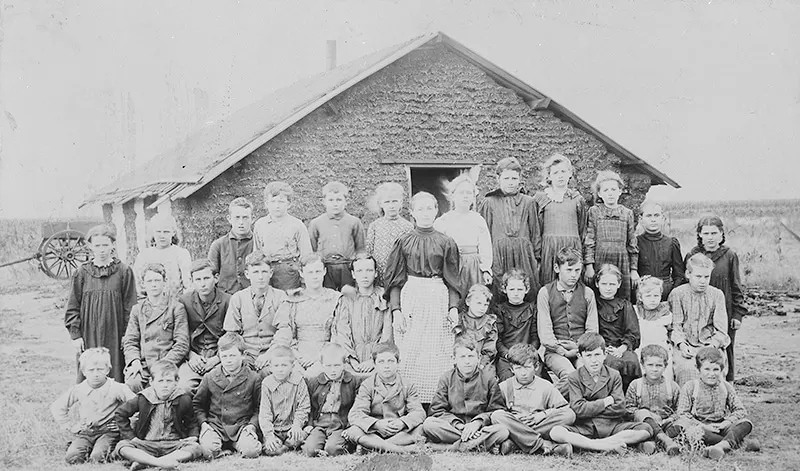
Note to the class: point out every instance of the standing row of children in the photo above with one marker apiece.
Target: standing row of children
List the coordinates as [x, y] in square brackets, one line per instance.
[426, 272]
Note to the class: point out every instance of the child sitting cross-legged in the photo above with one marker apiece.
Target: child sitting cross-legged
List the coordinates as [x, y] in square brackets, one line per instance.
[595, 394]
[386, 414]
[165, 434]
[332, 394]
[97, 398]
[653, 399]
[461, 409]
[226, 403]
[533, 407]
[711, 403]
[285, 404]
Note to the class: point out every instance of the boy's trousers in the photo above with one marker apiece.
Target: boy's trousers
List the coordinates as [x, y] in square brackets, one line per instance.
[248, 443]
[442, 431]
[95, 446]
[733, 434]
[527, 438]
[327, 436]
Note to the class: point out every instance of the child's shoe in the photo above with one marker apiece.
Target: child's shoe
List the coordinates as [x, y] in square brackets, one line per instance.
[751, 444]
[714, 452]
[669, 444]
[648, 447]
[563, 449]
[508, 447]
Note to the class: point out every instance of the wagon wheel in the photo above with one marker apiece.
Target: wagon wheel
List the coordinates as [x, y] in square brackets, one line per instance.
[62, 254]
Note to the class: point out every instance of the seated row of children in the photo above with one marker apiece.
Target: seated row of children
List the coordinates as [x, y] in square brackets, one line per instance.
[334, 412]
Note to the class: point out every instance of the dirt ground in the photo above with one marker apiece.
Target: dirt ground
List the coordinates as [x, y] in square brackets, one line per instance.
[36, 364]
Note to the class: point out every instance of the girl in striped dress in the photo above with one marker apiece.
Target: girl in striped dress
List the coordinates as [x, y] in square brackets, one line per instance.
[562, 214]
[424, 291]
[469, 230]
[611, 233]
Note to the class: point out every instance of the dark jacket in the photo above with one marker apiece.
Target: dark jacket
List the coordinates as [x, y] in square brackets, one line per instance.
[460, 399]
[660, 256]
[205, 328]
[227, 407]
[227, 255]
[185, 422]
[618, 323]
[586, 398]
[318, 388]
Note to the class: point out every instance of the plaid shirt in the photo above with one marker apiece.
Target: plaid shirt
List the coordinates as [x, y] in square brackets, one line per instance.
[655, 397]
[705, 403]
[599, 233]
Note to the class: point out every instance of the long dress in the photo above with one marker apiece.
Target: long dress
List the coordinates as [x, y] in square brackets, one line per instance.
[563, 224]
[471, 234]
[381, 236]
[99, 307]
[726, 277]
[423, 281]
[611, 238]
[514, 227]
[618, 324]
[305, 322]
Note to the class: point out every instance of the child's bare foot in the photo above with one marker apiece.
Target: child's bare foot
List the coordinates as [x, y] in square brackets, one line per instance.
[321, 454]
[135, 466]
[647, 447]
[168, 463]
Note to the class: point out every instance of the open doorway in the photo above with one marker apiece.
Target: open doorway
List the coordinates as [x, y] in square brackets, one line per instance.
[434, 181]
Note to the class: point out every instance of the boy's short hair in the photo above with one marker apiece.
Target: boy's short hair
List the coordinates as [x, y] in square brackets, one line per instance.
[102, 230]
[200, 265]
[710, 355]
[590, 341]
[508, 163]
[648, 284]
[568, 256]
[606, 176]
[163, 368]
[256, 258]
[330, 349]
[477, 289]
[465, 342]
[280, 351]
[516, 274]
[335, 187]
[423, 195]
[698, 260]
[240, 202]
[647, 204]
[155, 268]
[95, 355]
[523, 353]
[551, 162]
[276, 189]
[609, 269]
[308, 259]
[230, 340]
[385, 347]
[653, 350]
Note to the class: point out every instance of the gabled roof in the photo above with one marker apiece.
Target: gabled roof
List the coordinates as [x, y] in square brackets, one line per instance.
[210, 151]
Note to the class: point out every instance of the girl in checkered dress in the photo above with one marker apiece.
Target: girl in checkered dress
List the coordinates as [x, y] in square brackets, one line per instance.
[611, 233]
[424, 291]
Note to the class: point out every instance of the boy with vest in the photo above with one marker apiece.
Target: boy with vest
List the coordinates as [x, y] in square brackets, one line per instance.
[653, 399]
[566, 310]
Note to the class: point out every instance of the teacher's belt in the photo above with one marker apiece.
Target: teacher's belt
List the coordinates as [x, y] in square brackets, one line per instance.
[468, 250]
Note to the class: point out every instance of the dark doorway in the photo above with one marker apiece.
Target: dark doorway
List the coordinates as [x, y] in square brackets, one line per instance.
[434, 181]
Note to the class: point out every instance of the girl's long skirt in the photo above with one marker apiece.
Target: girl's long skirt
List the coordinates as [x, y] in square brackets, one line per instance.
[426, 348]
[470, 270]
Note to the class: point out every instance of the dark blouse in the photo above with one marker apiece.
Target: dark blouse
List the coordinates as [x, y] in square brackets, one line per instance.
[516, 323]
[660, 256]
[725, 277]
[618, 323]
[423, 253]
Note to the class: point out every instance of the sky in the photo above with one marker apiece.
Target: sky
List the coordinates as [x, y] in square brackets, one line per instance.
[708, 92]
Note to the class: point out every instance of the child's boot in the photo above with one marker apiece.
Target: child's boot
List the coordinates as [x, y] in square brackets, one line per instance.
[716, 452]
[648, 447]
[669, 444]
